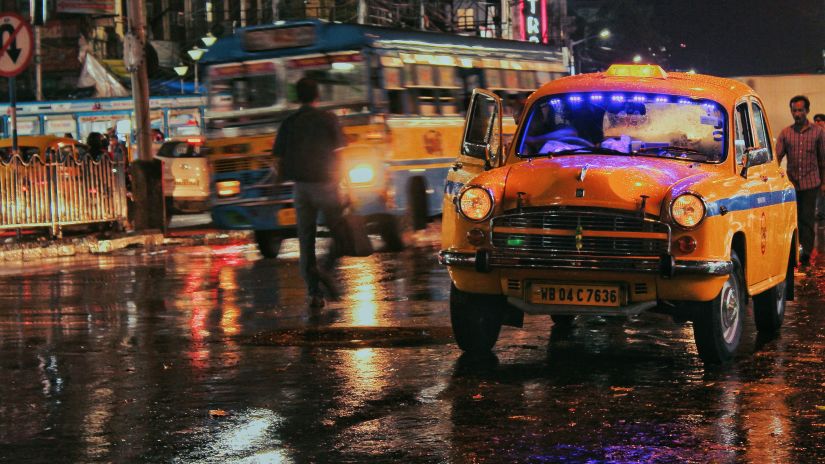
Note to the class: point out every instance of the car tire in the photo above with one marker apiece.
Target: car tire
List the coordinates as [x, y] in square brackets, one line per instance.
[269, 243]
[476, 320]
[562, 321]
[417, 203]
[390, 228]
[717, 324]
[769, 306]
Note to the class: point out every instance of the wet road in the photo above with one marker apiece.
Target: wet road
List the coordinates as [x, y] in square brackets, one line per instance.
[209, 355]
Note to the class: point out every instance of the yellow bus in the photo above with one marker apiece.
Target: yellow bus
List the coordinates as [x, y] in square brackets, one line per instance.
[400, 96]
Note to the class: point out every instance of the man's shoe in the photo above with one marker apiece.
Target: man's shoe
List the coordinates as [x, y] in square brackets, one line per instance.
[316, 301]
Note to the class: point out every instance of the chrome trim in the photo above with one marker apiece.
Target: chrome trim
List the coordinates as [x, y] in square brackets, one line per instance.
[670, 210]
[576, 263]
[715, 268]
[456, 258]
[576, 310]
[489, 193]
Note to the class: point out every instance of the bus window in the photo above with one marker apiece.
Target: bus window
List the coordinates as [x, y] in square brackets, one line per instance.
[28, 126]
[399, 101]
[492, 79]
[61, 125]
[338, 83]
[527, 80]
[427, 102]
[184, 123]
[243, 92]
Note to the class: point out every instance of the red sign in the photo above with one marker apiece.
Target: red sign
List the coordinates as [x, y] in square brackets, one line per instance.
[16, 44]
[258, 40]
[533, 20]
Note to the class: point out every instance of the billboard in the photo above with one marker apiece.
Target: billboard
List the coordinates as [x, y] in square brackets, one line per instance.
[92, 7]
[533, 20]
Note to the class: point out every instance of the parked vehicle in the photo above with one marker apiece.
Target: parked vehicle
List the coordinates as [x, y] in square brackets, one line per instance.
[625, 191]
[185, 175]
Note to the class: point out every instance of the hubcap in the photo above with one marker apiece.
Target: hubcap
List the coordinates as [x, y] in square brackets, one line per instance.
[730, 311]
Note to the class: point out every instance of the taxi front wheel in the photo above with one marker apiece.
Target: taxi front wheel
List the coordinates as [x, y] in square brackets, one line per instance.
[717, 324]
[476, 320]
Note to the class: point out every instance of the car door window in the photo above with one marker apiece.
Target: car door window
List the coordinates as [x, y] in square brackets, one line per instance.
[743, 138]
[761, 128]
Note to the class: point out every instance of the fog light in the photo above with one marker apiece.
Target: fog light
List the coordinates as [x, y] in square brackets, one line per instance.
[686, 244]
[476, 237]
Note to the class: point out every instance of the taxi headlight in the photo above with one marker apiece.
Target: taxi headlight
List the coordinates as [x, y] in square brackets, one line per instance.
[475, 203]
[687, 210]
[228, 188]
[361, 174]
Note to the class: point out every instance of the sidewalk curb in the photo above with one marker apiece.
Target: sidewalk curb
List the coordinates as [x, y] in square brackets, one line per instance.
[94, 245]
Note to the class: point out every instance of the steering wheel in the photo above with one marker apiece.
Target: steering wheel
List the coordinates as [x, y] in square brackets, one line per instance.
[576, 141]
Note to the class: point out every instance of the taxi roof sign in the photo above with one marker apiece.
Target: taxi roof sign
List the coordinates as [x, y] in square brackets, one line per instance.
[636, 70]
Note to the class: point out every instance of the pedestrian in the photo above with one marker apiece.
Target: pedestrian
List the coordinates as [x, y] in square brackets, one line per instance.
[306, 148]
[804, 145]
[97, 145]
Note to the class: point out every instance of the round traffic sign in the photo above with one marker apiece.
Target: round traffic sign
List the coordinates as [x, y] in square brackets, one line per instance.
[16, 44]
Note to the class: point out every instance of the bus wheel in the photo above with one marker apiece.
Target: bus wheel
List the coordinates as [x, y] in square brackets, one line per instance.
[391, 230]
[269, 242]
[476, 320]
[417, 202]
[717, 324]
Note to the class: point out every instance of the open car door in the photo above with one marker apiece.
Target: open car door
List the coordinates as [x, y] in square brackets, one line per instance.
[481, 147]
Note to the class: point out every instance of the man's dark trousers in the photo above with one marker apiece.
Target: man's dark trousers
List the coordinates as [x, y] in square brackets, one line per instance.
[806, 220]
[310, 199]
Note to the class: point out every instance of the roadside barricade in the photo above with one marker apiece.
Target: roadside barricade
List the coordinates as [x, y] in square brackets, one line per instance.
[63, 191]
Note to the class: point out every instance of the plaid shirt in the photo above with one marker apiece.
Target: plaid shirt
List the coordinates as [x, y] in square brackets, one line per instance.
[805, 149]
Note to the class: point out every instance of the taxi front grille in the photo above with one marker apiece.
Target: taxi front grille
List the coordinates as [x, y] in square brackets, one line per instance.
[227, 165]
[579, 232]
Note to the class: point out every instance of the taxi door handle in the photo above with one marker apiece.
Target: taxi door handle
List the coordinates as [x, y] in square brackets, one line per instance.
[765, 178]
[457, 165]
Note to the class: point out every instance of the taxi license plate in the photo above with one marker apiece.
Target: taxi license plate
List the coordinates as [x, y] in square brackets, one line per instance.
[580, 295]
[286, 217]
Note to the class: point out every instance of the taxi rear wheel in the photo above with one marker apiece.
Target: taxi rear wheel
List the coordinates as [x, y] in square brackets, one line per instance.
[717, 324]
[769, 306]
[269, 242]
[476, 320]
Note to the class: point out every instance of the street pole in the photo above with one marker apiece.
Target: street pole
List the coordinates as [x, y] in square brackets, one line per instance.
[13, 109]
[148, 211]
[38, 64]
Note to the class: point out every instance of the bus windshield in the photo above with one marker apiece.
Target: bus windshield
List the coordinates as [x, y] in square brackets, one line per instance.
[342, 79]
[625, 123]
[244, 86]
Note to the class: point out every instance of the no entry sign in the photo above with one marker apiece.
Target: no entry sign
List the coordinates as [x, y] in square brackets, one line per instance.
[16, 44]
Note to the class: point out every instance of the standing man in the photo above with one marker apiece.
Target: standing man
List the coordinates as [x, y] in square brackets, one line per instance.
[804, 145]
[306, 147]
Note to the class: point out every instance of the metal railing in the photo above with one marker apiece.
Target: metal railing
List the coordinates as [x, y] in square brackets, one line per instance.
[57, 191]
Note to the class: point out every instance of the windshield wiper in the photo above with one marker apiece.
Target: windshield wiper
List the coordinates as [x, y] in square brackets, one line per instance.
[588, 150]
[670, 150]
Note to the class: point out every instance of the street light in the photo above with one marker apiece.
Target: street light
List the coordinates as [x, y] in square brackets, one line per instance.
[209, 39]
[181, 70]
[196, 54]
[603, 34]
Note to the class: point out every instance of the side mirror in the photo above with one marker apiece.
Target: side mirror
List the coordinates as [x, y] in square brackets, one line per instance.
[482, 129]
[754, 157]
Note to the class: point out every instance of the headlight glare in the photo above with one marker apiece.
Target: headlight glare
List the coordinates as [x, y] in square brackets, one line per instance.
[228, 188]
[687, 210]
[475, 203]
[361, 174]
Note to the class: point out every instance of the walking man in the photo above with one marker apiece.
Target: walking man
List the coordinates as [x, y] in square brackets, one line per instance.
[306, 147]
[804, 145]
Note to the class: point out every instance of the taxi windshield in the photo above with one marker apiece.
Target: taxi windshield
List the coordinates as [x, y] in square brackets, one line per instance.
[630, 124]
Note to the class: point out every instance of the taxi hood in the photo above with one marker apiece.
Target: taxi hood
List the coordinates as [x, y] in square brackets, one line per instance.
[605, 181]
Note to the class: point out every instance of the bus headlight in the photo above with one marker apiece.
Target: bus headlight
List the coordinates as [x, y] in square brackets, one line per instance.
[361, 174]
[475, 203]
[687, 210]
[228, 188]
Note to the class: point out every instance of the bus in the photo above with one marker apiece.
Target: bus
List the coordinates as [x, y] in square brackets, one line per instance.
[400, 96]
[175, 116]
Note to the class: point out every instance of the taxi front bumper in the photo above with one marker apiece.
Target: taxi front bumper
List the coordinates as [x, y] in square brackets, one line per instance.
[665, 266]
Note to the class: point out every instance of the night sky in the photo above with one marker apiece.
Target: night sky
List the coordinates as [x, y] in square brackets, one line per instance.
[728, 37]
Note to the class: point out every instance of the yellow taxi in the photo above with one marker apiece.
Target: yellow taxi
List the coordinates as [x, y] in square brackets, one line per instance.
[625, 191]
